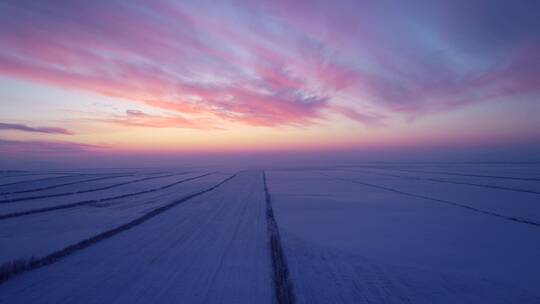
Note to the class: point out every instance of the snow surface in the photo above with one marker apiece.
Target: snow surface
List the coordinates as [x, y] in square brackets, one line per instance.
[362, 233]
[44, 233]
[347, 241]
[209, 249]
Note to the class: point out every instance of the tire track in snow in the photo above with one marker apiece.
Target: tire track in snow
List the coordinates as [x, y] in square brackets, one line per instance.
[29, 198]
[450, 182]
[491, 213]
[60, 254]
[282, 285]
[87, 202]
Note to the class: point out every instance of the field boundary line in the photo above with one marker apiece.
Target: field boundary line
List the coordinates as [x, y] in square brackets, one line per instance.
[283, 289]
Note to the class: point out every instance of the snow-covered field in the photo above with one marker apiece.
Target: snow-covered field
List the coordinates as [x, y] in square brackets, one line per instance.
[365, 233]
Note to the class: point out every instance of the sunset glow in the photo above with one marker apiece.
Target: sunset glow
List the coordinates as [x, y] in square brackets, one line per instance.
[205, 77]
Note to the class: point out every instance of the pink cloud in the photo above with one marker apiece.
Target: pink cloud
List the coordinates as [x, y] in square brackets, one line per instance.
[369, 119]
[268, 63]
[140, 119]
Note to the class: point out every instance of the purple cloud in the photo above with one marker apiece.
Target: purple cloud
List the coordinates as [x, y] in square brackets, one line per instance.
[25, 128]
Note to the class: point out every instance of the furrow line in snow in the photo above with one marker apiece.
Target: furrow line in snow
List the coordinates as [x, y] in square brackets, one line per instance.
[462, 174]
[487, 212]
[8, 271]
[87, 202]
[12, 171]
[484, 186]
[29, 198]
[283, 289]
[38, 180]
[72, 175]
[29, 174]
[450, 182]
[66, 184]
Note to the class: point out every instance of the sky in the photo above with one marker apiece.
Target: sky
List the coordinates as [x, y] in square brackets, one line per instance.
[368, 80]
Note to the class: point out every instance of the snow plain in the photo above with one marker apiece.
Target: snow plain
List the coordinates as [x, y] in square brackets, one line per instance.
[361, 233]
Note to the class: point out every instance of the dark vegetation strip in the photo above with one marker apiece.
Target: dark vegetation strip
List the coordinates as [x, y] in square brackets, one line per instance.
[30, 174]
[451, 182]
[462, 174]
[38, 180]
[510, 218]
[65, 175]
[485, 186]
[36, 173]
[11, 171]
[283, 288]
[11, 269]
[66, 184]
[68, 175]
[87, 202]
[29, 198]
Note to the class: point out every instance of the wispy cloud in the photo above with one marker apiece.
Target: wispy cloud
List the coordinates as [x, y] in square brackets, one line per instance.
[25, 128]
[137, 118]
[275, 63]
